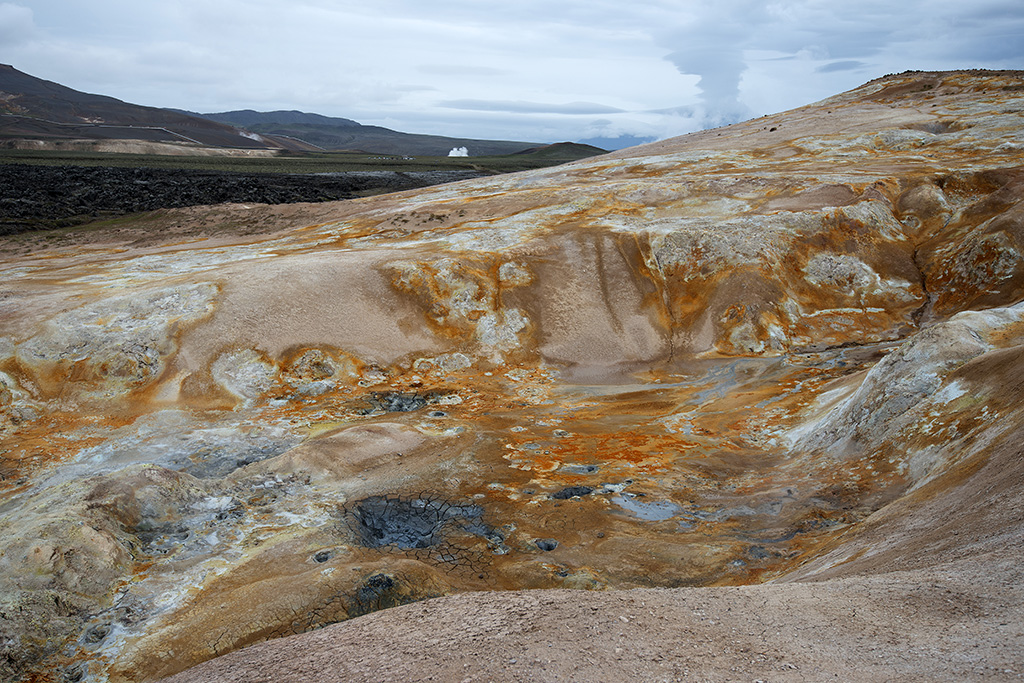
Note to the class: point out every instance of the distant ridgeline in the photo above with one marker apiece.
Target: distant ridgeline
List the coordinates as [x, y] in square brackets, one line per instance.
[47, 112]
[331, 133]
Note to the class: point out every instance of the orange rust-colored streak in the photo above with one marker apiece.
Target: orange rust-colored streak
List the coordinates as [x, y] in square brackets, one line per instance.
[50, 440]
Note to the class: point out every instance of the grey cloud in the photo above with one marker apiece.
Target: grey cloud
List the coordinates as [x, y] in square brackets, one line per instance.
[714, 43]
[520, 107]
[998, 42]
[719, 68]
[986, 12]
[16, 24]
[858, 43]
[712, 48]
[677, 111]
[845, 65]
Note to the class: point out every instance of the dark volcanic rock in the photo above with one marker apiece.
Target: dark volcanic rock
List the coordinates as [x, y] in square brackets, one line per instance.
[572, 492]
[46, 197]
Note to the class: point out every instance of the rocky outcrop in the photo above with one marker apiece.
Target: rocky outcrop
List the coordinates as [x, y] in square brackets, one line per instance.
[718, 360]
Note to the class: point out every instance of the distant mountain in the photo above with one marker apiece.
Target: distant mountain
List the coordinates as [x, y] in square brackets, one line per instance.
[564, 151]
[247, 117]
[332, 133]
[31, 107]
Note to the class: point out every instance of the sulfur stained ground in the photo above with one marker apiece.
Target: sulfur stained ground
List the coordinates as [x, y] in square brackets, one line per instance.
[243, 423]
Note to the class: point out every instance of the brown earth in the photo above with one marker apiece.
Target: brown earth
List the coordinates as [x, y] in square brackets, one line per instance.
[756, 390]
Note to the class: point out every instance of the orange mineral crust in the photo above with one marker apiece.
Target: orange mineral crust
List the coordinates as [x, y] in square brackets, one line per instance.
[750, 357]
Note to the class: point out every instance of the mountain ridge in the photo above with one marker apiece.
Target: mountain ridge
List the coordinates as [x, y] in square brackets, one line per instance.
[340, 134]
[251, 117]
[34, 108]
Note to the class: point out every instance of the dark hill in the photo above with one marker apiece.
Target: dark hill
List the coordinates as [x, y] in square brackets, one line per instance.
[36, 108]
[33, 108]
[247, 117]
[568, 151]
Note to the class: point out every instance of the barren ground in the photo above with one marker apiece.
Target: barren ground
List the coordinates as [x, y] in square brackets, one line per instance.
[943, 602]
[758, 390]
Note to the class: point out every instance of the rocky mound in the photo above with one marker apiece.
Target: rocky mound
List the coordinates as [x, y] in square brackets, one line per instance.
[762, 380]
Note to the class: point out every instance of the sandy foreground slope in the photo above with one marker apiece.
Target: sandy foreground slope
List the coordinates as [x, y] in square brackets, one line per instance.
[754, 393]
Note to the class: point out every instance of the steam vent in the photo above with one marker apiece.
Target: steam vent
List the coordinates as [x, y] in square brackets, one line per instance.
[755, 395]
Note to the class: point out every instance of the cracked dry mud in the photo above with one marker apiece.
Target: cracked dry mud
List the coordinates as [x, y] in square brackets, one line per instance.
[754, 393]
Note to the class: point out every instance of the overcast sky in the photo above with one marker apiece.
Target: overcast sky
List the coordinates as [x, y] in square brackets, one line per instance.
[523, 70]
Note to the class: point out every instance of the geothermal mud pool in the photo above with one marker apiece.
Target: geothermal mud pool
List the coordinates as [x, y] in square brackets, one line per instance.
[704, 362]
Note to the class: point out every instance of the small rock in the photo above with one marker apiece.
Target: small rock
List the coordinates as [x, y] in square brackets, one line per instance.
[546, 544]
[581, 469]
[398, 402]
[572, 492]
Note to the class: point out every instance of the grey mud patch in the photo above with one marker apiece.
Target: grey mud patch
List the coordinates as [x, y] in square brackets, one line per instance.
[651, 511]
[428, 527]
[405, 402]
[218, 461]
[171, 439]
